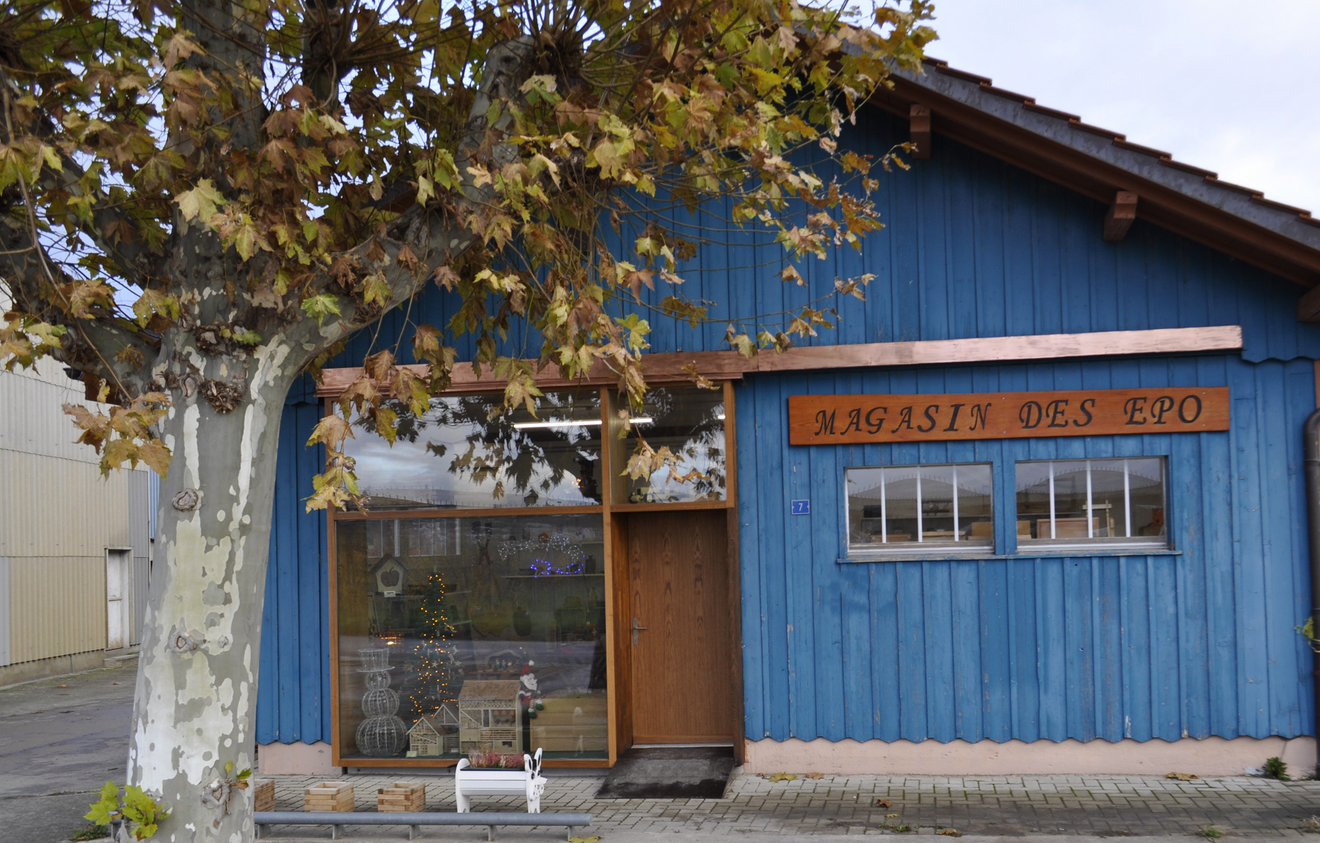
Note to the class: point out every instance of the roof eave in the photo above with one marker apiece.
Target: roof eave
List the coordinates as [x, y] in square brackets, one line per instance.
[1098, 163]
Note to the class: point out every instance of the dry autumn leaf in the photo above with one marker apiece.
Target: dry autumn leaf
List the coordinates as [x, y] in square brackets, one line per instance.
[815, 775]
[1182, 777]
[882, 803]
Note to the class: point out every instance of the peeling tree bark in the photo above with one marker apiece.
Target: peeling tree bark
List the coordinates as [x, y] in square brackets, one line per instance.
[195, 704]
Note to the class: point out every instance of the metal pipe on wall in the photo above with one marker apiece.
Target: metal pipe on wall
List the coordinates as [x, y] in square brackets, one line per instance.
[1311, 432]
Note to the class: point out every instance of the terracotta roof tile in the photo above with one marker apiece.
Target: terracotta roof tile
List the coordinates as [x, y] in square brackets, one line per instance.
[1052, 112]
[1077, 123]
[1228, 185]
[1136, 147]
[1007, 94]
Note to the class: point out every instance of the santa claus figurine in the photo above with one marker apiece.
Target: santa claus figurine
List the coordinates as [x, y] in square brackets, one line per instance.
[529, 695]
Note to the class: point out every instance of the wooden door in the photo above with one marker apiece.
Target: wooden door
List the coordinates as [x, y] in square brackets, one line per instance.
[683, 688]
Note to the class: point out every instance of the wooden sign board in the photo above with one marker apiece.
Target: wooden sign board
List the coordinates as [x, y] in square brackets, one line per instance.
[844, 419]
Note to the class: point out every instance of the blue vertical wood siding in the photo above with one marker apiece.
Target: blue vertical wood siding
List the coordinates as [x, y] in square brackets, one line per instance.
[974, 247]
[293, 687]
[1034, 647]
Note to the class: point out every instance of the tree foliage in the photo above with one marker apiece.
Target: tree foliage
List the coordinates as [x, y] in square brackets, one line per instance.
[202, 199]
[312, 165]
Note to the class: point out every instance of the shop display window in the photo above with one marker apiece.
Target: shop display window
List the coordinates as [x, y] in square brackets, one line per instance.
[461, 633]
[915, 509]
[1089, 502]
[467, 452]
[687, 424]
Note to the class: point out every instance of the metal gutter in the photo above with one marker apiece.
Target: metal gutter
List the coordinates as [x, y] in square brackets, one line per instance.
[1311, 432]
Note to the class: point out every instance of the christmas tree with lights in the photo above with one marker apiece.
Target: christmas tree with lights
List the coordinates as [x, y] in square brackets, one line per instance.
[436, 656]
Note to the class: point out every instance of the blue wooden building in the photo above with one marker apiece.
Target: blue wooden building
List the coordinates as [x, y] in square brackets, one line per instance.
[913, 545]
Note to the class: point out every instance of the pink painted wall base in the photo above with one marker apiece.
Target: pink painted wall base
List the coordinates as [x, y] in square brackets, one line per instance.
[1207, 757]
[311, 759]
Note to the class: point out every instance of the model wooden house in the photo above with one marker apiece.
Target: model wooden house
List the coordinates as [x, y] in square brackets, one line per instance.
[489, 716]
[436, 733]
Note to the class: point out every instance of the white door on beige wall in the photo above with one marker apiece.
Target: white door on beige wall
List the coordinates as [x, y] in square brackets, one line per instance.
[118, 571]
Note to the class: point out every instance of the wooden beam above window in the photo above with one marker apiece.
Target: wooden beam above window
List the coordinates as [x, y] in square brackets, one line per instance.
[1308, 306]
[1122, 212]
[676, 367]
[919, 128]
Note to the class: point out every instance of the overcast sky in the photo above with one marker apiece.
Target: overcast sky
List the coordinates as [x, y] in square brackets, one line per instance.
[1229, 86]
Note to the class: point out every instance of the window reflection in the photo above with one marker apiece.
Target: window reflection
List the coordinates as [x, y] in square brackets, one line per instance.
[466, 452]
[1088, 501]
[689, 422]
[472, 633]
[920, 508]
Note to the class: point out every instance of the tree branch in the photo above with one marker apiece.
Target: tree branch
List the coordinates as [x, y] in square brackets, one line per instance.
[130, 255]
[104, 345]
[435, 239]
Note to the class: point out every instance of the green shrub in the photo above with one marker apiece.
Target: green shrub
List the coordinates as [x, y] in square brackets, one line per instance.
[1276, 769]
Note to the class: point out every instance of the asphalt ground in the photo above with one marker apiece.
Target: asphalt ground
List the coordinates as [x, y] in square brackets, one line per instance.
[60, 740]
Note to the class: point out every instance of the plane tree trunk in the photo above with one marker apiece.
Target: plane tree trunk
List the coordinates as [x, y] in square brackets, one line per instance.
[194, 715]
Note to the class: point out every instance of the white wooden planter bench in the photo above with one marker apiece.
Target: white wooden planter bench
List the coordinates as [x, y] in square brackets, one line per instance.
[528, 781]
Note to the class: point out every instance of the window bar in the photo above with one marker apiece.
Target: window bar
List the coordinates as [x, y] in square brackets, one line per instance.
[884, 511]
[1090, 507]
[920, 530]
[1051, 469]
[1127, 499]
[955, 503]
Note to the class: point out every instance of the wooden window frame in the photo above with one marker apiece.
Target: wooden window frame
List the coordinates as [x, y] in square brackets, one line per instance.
[616, 597]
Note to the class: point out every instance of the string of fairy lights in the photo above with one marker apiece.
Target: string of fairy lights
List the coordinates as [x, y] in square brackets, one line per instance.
[437, 662]
[572, 556]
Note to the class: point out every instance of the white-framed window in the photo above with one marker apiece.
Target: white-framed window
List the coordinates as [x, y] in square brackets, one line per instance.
[1116, 502]
[920, 509]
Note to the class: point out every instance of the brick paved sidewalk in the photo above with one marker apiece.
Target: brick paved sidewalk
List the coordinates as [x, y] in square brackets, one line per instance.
[1011, 806]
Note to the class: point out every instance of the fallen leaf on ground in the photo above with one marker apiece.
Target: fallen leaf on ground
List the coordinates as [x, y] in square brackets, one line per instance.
[882, 803]
[815, 775]
[782, 777]
[593, 839]
[950, 832]
[890, 816]
[1182, 777]
[61, 686]
[116, 683]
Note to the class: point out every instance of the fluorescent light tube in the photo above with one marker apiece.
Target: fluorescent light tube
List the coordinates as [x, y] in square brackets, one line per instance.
[557, 423]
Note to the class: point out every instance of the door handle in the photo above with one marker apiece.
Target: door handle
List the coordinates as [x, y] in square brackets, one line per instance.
[636, 628]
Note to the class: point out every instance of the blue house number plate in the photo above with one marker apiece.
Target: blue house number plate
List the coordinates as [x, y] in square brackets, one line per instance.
[800, 507]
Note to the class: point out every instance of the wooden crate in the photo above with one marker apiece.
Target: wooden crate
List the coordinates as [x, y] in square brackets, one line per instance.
[401, 796]
[263, 795]
[328, 796]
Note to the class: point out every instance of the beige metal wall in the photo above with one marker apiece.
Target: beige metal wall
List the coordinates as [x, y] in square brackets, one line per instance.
[57, 517]
[59, 606]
